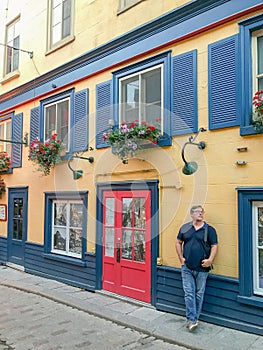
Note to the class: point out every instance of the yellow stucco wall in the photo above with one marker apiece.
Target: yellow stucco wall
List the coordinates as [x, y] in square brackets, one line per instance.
[213, 185]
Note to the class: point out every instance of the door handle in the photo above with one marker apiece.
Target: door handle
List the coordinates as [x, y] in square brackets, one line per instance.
[118, 253]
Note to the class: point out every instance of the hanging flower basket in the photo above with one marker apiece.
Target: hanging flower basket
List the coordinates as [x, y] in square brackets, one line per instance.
[258, 114]
[130, 138]
[2, 187]
[46, 154]
[5, 162]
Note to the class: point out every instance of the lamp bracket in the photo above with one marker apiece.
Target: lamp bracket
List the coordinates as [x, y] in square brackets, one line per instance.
[191, 167]
[24, 142]
[78, 173]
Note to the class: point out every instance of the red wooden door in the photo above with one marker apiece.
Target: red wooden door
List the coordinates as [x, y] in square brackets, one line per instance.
[127, 243]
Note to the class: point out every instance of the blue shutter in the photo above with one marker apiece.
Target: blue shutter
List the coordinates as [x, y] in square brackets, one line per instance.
[17, 136]
[223, 83]
[184, 93]
[34, 124]
[80, 128]
[103, 111]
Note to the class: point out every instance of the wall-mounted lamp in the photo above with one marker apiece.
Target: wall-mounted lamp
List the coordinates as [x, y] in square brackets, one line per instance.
[191, 167]
[77, 174]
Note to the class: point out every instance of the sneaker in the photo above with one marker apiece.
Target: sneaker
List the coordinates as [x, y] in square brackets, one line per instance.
[192, 326]
[187, 323]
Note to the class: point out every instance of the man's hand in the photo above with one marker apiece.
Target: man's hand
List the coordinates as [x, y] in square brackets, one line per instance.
[206, 263]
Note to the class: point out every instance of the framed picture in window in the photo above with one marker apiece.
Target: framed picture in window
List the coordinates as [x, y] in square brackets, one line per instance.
[3, 212]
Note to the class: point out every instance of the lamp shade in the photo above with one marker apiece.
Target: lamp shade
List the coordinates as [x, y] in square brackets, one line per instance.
[190, 168]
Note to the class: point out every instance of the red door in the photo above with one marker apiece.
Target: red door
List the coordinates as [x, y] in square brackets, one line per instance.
[127, 243]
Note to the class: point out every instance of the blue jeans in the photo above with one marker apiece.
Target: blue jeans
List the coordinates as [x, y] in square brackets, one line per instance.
[194, 283]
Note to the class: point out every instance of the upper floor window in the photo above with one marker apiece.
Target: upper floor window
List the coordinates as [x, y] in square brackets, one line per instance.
[251, 40]
[12, 42]
[141, 96]
[257, 55]
[125, 4]
[5, 134]
[56, 120]
[60, 22]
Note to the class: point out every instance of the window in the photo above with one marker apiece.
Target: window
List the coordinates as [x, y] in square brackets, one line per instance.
[125, 4]
[141, 96]
[258, 247]
[60, 22]
[56, 120]
[257, 54]
[5, 134]
[250, 240]
[12, 42]
[251, 35]
[143, 92]
[67, 227]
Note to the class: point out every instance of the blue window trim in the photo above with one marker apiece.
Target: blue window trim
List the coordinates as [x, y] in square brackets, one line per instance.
[247, 27]
[246, 197]
[55, 98]
[165, 59]
[49, 198]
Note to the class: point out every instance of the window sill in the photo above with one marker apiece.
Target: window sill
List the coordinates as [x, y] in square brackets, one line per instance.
[65, 259]
[248, 130]
[60, 44]
[253, 300]
[10, 76]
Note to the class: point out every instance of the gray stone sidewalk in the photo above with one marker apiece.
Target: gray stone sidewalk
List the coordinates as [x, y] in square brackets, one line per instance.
[138, 316]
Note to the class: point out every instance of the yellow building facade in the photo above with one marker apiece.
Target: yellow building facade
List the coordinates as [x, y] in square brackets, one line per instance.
[79, 68]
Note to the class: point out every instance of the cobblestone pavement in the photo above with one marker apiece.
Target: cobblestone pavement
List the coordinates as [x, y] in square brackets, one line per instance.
[32, 322]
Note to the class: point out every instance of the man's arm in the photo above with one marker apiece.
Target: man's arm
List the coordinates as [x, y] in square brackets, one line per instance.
[179, 251]
[208, 262]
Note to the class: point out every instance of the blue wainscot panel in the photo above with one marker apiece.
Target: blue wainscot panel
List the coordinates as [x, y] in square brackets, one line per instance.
[3, 250]
[220, 303]
[78, 275]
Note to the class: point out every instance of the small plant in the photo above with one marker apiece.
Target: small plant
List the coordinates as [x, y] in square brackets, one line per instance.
[2, 186]
[128, 139]
[5, 161]
[258, 114]
[46, 154]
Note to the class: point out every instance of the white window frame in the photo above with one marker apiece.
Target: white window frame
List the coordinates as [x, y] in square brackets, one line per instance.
[256, 247]
[67, 227]
[126, 4]
[6, 146]
[10, 37]
[62, 41]
[139, 74]
[66, 142]
[255, 75]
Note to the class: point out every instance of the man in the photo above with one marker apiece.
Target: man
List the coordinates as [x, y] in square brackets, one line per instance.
[196, 261]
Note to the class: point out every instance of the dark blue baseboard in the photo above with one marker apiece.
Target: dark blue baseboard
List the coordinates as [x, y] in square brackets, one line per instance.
[3, 250]
[220, 303]
[62, 271]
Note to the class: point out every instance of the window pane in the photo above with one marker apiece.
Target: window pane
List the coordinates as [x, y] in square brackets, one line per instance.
[127, 244]
[130, 99]
[260, 269]
[56, 33]
[75, 241]
[127, 212]
[139, 212]
[63, 120]
[151, 95]
[260, 54]
[260, 84]
[60, 239]
[139, 246]
[109, 242]
[16, 53]
[66, 18]
[60, 214]
[110, 211]
[50, 121]
[76, 215]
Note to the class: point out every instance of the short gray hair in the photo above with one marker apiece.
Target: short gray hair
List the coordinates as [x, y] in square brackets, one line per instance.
[196, 207]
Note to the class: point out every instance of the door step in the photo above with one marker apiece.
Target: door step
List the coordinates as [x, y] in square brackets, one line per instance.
[123, 298]
[15, 266]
